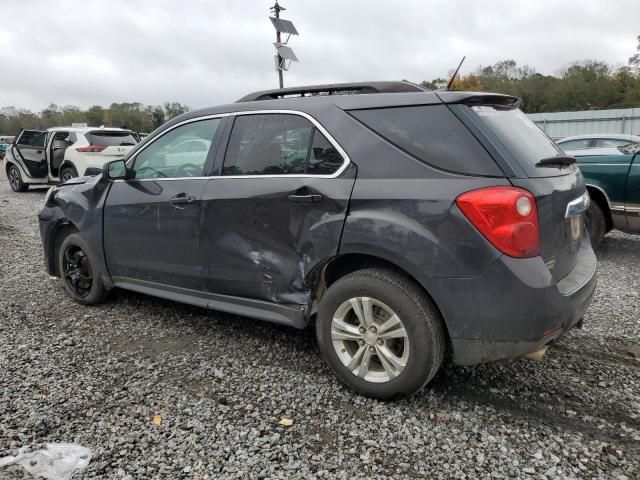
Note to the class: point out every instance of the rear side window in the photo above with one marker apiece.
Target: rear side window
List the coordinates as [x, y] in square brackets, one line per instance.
[278, 144]
[526, 143]
[611, 142]
[111, 139]
[433, 135]
[575, 144]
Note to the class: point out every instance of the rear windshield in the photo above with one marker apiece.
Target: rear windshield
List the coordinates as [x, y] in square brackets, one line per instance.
[433, 135]
[526, 143]
[111, 139]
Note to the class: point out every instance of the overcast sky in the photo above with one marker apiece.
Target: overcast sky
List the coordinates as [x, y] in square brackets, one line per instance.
[207, 52]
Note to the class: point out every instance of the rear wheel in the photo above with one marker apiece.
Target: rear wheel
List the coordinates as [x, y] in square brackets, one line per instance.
[82, 280]
[15, 180]
[67, 174]
[380, 333]
[595, 223]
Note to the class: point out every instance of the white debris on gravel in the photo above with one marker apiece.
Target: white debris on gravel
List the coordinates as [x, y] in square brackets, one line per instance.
[162, 390]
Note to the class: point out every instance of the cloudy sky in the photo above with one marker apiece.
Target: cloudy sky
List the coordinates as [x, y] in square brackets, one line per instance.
[206, 52]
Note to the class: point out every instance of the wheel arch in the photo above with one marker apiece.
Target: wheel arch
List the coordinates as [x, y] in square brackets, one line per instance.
[63, 229]
[67, 164]
[339, 266]
[600, 197]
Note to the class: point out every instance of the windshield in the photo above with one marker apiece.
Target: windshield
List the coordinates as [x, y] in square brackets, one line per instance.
[524, 140]
[110, 139]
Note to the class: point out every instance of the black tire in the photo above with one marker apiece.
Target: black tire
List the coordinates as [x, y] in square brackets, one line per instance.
[15, 179]
[596, 224]
[421, 320]
[67, 173]
[76, 265]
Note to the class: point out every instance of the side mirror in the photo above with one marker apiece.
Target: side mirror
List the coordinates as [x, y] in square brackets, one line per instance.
[115, 169]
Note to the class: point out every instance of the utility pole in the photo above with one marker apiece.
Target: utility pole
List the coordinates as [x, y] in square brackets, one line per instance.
[276, 12]
[284, 55]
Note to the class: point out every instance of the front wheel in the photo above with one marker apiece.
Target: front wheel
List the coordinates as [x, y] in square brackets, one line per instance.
[81, 277]
[15, 180]
[67, 174]
[380, 333]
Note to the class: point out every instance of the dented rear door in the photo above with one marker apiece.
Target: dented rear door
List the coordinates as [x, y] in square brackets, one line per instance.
[276, 210]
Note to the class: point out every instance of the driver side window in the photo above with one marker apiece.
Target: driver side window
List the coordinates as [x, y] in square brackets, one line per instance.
[181, 152]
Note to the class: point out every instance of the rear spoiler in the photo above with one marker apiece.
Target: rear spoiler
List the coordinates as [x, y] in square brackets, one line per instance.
[478, 98]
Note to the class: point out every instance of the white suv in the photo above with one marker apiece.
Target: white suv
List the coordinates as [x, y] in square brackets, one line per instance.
[58, 154]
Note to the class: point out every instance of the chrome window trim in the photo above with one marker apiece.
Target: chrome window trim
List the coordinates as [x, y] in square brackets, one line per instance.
[603, 164]
[314, 122]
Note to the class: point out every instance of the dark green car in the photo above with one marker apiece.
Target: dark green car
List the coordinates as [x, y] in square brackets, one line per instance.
[613, 182]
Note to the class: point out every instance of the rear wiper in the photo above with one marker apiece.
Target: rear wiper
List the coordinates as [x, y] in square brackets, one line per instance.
[558, 161]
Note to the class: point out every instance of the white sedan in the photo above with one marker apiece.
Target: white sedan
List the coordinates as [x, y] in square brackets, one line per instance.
[595, 144]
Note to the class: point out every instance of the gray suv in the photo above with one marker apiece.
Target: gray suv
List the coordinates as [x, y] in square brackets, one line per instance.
[408, 225]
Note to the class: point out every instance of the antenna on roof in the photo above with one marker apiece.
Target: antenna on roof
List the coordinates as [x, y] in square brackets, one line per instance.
[454, 74]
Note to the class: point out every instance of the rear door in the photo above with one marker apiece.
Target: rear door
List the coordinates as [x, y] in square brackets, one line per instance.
[30, 149]
[277, 208]
[152, 221]
[559, 190]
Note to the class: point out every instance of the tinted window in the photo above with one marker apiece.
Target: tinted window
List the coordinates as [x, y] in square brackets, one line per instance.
[526, 143]
[324, 159]
[575, 144]
[111, 138]
[163, 158]
[32, 138]
[431, 134]
[270, 144]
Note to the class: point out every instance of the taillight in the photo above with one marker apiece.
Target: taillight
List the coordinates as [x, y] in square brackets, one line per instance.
[506, 216]
[91, 148]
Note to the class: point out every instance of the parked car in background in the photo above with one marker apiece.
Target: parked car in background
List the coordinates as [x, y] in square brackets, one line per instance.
[595, 144]
[3, 149]
[613, 183]
[58, 154]
[408, 223]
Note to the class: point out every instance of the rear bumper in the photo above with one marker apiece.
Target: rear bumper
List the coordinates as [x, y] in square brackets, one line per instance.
[515, 307]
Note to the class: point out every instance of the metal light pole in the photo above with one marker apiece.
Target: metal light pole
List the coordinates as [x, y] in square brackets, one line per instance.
[276, 11]
[284, 55]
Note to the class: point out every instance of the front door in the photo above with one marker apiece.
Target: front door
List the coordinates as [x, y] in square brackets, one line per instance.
[276, 210]
[152, 221]
[29, 149]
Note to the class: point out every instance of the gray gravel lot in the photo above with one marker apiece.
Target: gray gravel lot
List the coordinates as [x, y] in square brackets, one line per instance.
[98, 375]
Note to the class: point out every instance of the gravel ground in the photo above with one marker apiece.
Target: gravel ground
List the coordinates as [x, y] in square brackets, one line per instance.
[98, 375]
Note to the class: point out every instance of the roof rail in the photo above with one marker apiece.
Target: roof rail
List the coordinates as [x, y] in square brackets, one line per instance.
[334, 89]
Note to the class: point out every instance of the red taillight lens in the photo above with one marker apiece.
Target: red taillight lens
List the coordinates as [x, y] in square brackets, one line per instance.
[506, 216]
[91, 148]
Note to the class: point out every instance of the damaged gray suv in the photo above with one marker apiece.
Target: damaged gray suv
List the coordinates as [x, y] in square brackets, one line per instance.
[410, 225]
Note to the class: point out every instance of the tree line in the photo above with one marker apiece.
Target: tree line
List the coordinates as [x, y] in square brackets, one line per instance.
[134, 116]
[585, 85]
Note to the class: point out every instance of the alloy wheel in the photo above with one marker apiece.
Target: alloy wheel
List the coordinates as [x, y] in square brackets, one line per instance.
[77, 271]
[370, 339]
[14, 178]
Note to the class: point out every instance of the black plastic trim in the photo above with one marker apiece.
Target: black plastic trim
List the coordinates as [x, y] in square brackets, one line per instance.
[291, 315]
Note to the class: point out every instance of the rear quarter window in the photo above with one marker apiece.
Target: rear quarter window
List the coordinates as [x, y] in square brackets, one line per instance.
[433, 135]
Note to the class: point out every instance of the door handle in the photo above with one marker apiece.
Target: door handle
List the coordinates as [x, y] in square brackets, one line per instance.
[38, 151]
[309, 198]
[181, 199]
